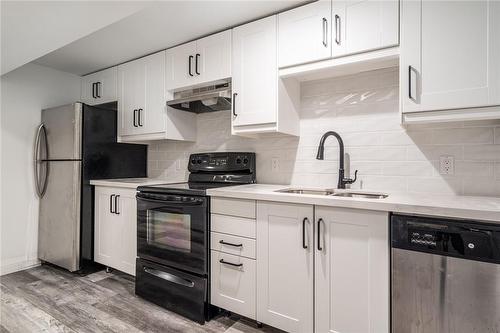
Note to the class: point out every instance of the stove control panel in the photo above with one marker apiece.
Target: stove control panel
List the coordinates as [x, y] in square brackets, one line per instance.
[222, 162]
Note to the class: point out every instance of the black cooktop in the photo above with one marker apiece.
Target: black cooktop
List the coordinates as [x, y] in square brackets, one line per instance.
[183, 188]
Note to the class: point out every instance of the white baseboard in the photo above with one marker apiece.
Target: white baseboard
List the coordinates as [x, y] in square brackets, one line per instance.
[13, 265]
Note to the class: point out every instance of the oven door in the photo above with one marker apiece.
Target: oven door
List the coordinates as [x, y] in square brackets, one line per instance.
[173, 230]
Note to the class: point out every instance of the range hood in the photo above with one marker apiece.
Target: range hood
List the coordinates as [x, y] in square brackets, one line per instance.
[216, 97]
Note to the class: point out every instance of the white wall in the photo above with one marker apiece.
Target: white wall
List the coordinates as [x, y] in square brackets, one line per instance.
[363, 108]
[25, 91]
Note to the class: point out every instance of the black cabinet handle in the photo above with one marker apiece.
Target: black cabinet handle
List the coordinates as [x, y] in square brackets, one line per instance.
[190, 60]
[410, 70]
[304, 246]
[139, 118]
[337, 29]
[117, 211]
[111, 200]
[319, 234]
[234, 104]
[135, 118]
[93, 90]
[229, 263]
[325, 32]
[196, 64]
[97, 87]
[230, 244]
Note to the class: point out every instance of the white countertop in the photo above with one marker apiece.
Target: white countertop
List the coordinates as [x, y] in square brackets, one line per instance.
[466, 207]
[129, 182]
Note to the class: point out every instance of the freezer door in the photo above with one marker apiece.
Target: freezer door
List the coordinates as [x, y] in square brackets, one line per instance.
[59, 217]
[63, 125]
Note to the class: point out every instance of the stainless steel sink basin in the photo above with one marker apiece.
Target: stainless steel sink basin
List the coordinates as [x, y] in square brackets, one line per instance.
[335, 193]
[307, 191]
[360, 195]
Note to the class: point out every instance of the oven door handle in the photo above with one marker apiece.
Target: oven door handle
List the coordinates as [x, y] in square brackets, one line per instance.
[169, 277]
[194, 202]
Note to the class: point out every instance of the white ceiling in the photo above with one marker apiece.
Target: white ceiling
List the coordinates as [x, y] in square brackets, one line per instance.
[159, 26]
[30, 29]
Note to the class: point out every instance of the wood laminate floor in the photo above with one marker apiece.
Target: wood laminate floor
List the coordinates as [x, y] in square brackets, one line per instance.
[48, 299]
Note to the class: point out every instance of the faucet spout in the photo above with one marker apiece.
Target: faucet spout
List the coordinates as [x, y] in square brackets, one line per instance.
[321, 155]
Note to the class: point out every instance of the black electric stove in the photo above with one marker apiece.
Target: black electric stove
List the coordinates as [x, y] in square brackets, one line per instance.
[173, 233]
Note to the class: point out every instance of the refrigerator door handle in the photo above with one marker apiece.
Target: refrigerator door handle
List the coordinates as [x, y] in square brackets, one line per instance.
[40, 188]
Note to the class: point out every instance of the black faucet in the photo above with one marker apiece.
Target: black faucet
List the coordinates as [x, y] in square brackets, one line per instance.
[321, 155]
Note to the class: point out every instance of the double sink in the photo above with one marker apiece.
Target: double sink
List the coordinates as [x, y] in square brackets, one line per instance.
[335, 193]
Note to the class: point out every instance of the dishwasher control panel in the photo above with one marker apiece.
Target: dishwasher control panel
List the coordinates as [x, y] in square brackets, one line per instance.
[423, 238]
[456, 238]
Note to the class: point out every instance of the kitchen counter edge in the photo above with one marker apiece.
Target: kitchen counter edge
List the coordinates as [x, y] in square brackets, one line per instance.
[462, 207]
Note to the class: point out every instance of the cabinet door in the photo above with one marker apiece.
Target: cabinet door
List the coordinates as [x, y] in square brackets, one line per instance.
[450, 54]
[130, 84]
[152, 117]
[360, 26]
[255, 73]
[105, 224]
[180, 66]
[213, 57]
[233, 287]
[126, 228]
[351, 271]
[304, 34]
[100, 87]
[285, 266]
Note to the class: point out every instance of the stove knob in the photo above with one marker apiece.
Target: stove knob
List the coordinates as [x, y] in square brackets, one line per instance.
[238, 160]
[193, 161]
[245, 160]
[198, 161]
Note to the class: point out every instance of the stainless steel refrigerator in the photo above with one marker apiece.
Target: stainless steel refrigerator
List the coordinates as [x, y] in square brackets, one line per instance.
[74, 144]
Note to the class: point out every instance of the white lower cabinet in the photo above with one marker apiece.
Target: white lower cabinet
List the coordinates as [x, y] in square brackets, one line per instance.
[285, 274]
[351, 271]
[316, 269]
[115, 237]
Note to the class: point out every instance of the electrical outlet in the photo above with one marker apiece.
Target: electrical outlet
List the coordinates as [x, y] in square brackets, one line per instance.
[447, 164]
[275, 164]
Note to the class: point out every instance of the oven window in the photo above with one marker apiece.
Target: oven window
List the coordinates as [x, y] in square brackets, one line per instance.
[169, 230]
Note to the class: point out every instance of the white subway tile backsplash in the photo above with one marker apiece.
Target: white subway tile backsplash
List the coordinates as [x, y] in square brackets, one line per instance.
[363, 108]
[482, 152]
[462, 135]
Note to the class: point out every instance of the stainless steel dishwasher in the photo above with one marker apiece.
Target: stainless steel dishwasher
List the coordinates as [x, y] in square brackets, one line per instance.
[445, 275]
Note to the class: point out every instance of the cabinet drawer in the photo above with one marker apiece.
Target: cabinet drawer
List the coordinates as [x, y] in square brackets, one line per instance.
[235, 207]
[233, 225]
[233, 287]
[235, 245]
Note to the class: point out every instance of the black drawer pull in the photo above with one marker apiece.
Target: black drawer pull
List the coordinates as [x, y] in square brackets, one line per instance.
[230, 244]
[230, 263]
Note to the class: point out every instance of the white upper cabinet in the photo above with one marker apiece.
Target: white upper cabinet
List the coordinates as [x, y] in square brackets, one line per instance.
[255, 72]
[304, 34]
[142, 98]
[260, 103]
[100, 87]
[351, 271]
[204, 60]
[360, 26]
[213, 57]
[450, 55]
[285, 270]
[180, 66]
